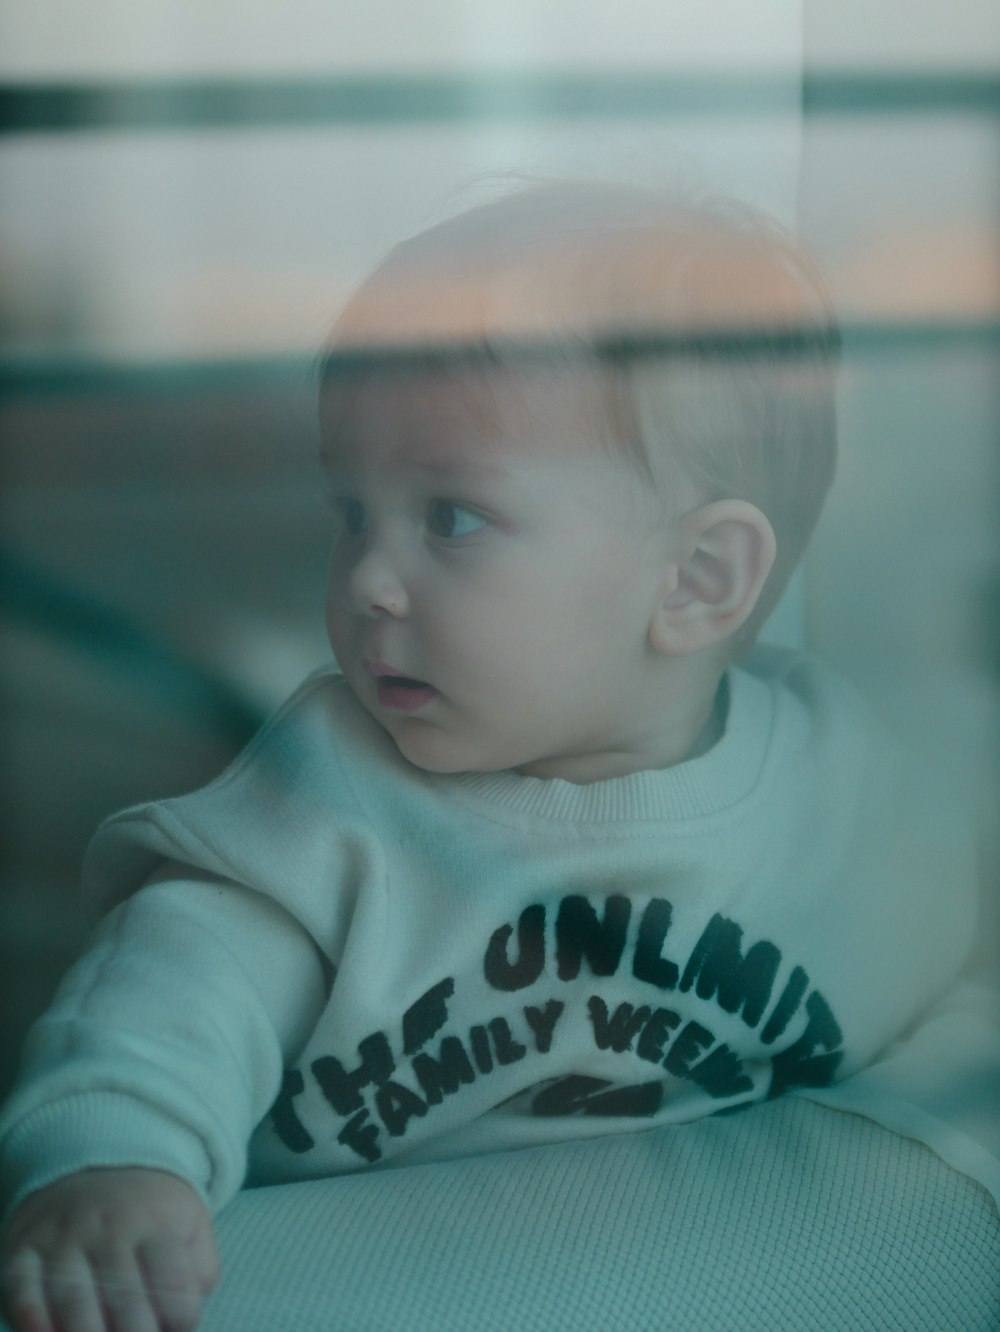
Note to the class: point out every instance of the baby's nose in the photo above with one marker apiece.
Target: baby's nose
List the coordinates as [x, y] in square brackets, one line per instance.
[375, 586]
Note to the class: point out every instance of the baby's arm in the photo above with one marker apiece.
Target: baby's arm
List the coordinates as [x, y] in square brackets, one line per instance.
[127, 1249]
[163, 1049]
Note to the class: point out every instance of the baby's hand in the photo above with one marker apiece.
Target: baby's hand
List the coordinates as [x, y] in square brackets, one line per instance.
[116, 1250]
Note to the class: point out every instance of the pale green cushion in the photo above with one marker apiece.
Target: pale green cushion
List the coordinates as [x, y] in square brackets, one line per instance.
[788, 1216]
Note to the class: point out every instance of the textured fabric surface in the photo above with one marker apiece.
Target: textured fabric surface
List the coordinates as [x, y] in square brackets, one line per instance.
[789, 1216]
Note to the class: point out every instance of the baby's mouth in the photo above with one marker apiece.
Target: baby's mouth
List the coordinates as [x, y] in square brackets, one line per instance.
[402, 693]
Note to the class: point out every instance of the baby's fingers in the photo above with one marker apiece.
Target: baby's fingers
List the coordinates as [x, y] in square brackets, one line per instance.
[54, 1293]
[72, 1295]
[177, 1280]
[65, 1293]
[24, 1299]
[121, 1285]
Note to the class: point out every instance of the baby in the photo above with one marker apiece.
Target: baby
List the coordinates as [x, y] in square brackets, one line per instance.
[550, 855]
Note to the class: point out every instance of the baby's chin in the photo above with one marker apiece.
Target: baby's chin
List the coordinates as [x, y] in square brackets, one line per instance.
[425, 748]
[417, 750]
[426, 759]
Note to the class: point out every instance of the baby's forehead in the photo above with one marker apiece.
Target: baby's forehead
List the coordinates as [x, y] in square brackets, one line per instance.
[461, 407]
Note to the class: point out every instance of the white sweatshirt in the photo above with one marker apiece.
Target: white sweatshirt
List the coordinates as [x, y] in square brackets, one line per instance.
[339, 961]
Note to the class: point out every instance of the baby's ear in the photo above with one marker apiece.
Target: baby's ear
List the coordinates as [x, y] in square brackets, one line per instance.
[719, 562]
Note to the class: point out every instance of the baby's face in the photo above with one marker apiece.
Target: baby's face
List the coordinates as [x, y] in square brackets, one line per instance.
[493, 573]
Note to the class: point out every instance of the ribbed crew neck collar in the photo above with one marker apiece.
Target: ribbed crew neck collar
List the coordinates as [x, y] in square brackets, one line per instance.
[696, 787]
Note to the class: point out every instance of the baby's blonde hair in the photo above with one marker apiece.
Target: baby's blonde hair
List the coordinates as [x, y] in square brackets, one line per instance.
[709, 330]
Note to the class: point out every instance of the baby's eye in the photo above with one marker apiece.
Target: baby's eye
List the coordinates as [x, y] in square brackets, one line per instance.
[352, 515]
[450, 520]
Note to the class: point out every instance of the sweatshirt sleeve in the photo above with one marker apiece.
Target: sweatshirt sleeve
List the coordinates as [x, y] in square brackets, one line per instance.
[165, 1043]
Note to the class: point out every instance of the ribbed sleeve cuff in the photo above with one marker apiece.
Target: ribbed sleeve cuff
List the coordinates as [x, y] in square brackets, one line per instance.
[702, 786]
[94, 1129]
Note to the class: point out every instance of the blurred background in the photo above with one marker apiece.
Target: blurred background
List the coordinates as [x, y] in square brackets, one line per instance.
[187, 193]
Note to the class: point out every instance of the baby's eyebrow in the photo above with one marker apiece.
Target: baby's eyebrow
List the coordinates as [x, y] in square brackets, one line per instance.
[461, 468]
[441, 471]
